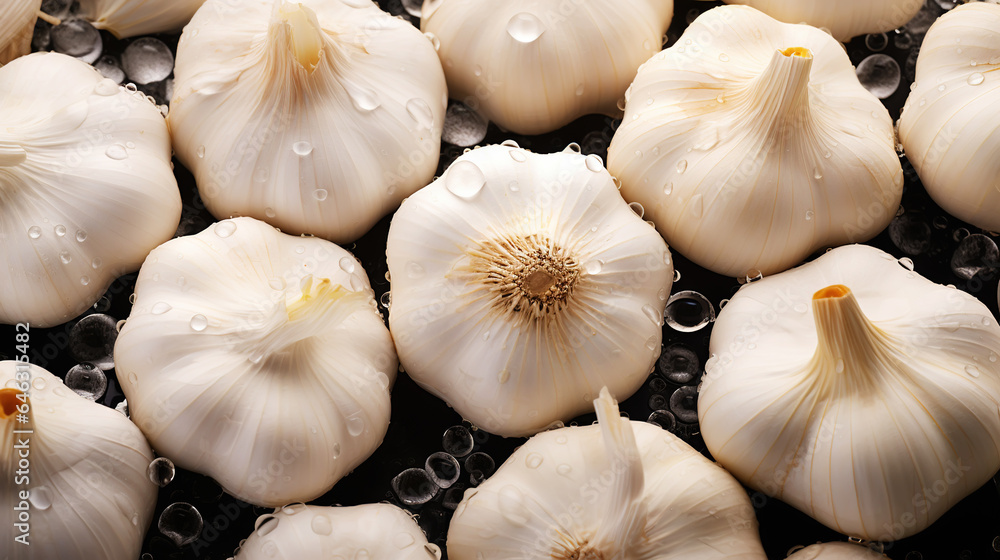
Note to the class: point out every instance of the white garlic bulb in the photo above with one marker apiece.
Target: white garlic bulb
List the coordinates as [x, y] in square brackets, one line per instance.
[365, 531]
[522, 284]
[844, 18]
[873, 408]
[86, 184]
[74, 472]
[532, 68]
[17, 24]
[128, 18]
[619, 489]
[751, 144]
[317, 117]
[836, 551]
[950, 125]
[256, 357]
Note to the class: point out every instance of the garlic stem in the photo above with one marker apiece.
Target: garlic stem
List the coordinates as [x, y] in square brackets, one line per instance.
[49, 18]
[10, 421]
[11, 154]
[849, 345]
[780, 94]
[304, 33]
[625, 510]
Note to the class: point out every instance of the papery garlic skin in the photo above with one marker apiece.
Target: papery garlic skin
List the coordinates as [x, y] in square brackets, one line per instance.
[257, 358]
[532, 67]
[86, 184]
[620, 489]
[129, 18]
[522, 284]
[17, 24]
[89, 494]
[751, 144]
[317, 117]
[844, 19]
[365, 531]
[858, 407]
[950, 125]
[836, 551]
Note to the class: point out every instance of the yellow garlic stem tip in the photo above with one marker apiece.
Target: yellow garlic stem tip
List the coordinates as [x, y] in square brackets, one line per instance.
[797, 51]
[312, 296]
[306, 34]
[834, 291]
[10, 399]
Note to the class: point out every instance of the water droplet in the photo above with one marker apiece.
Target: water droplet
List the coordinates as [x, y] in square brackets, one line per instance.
[906, 262]
[269, 212]
[420, 112]
[161, 307]
[201, 152]
[181, 523]
[443, 469]
[668, 188]
[199, 323]
[40, 498]
[116, 152]
[302, 149]
[688, 311]
[518, 155]
[81, 236]
[976, 79]
[525, 27]
[355, 425]
[463, 126]
[510, 501]
[879, 74]
[347, 264]
[653, 343]
[682, 166]
[972, 371]
[637, 209]
[724, 57]
[60, 230]
[564, 469]
[595, 163]
[533, 460]
[321, 525]
[364, 99]
[464, 179]
[65, 257]
[265, 524]
[809, 215]
[457, 441]
[34, 232]
[320, 194]
[684, 404]
[147, 60]
[106, 87]
[414, 486]
[652, 314]
[225, 228]
[161, 471]
[92, 340]
[414, 269]
[594, 267]
[503, 376]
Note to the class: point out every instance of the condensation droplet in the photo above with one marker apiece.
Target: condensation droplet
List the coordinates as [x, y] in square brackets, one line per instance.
[464, 179]
[225, 228]
[199, 322]
[525, 27]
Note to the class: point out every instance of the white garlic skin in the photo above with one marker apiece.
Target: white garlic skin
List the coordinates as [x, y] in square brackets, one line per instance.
[129, 18]
[836, 551]
[363, 531]
[291, 323]
[844, 19]
[89, 494]
[456, 251]
[87, 185]
[532, 67]
[905, 381]
[17, 24]
[950, 125]
[751, 144]
[327, 151]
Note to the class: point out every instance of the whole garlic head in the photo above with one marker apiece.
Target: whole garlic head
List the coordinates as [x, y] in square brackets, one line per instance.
[256, 357]
[532, 67]
[620, 489]
[751, 144]
[317, 117]
[365, 531]
[873, 408]
[522, 284]
[837, 551]
[844, 18]
[128, 18]
[950, 125]
[86, 185]
[17, 24]
[88, 494]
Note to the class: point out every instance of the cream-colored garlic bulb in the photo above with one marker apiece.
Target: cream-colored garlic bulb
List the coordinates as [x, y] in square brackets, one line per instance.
[317, 117]
[857, 391]
[256, 357]
[532, 67]
[377, 531]
[74, 472]
[751, 144]
[128, 18]
[844, 18]
[837, 551]
[950, 126]
[522, 284]
[86, 185]
[17, 24]
[620, 489]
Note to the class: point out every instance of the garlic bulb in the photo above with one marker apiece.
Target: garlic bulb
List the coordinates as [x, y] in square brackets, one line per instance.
[844, 18]
[256, 357]
[874, 409]
[128, 18]
[365, 531]
[950, 126]
[86, 185]
[74, 473]
[751, 144]
[836, 551]
[522, 284]
[318, 117]
[532, 68]
[619, 489]
[17, 24]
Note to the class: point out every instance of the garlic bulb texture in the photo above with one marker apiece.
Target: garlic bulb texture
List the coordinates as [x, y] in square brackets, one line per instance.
[367, 531]
[844, 18]
[950, 125]
[532, 67]
[836, 551]
[256, 357]
[751, 144]
[17, 23]
[620, 489]
[317, 117]
[522, 284]
[86, 185]
[74, 473]
[872, 408]
[128, 18]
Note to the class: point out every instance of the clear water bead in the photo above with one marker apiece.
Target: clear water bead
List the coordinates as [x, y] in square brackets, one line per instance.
[879, 74]
[457, 441]
[414, 486]
[525, 27]
[87, 380]
[181, 522]
[443, 469]
[464, 179]
[463, 127]
[420, 112]
[147, 60]
[92, 340]
[161, 471]
[689, 311]
[76, 37]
